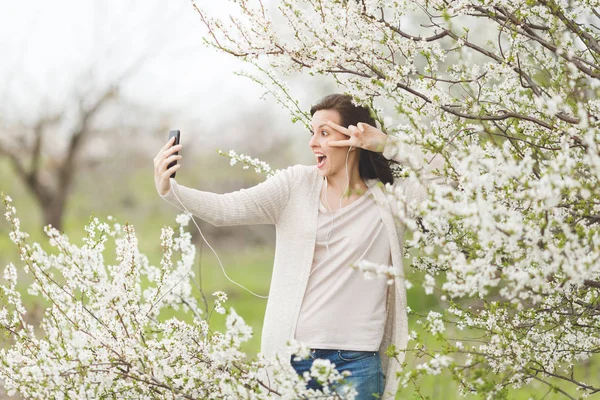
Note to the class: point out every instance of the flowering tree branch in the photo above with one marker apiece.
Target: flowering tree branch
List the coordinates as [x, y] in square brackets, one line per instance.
[104, 333]
[510, 249]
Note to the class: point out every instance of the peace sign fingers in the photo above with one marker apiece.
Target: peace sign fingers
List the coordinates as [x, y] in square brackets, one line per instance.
[353, 133]
[339, 128]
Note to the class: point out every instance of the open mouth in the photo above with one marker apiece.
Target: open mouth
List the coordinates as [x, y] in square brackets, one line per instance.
[321, 161]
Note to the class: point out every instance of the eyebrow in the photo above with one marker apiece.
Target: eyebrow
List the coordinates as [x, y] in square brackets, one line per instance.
[325, 124]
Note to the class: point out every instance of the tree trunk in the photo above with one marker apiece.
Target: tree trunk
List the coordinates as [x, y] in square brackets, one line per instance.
[53, 212]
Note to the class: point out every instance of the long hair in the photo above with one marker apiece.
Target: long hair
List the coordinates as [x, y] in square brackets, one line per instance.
[371, 165]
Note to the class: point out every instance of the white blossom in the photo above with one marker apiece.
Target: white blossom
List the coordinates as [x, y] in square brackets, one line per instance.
[103, 334]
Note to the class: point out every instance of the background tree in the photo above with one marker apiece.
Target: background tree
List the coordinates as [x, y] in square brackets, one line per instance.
[49, 127]
[50, 180]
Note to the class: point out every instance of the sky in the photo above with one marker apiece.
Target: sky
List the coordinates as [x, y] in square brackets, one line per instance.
[51, 51]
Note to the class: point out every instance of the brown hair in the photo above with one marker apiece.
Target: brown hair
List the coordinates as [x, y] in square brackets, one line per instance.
[371, 165]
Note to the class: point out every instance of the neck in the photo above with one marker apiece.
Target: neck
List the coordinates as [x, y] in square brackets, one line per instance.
[339, 181]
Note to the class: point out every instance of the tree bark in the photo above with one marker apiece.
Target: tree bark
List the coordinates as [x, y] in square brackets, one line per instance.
[53, 213]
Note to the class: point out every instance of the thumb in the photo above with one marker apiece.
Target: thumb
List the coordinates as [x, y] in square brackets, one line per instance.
[361, 127]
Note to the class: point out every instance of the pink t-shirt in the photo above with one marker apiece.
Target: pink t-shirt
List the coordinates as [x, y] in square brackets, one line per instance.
[341, 309]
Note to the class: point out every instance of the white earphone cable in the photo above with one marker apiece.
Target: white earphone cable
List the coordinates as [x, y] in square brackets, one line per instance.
[328, 236]
[215, 253]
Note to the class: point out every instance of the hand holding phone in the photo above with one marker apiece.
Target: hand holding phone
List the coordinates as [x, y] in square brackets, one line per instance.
[177, 134]
[165, 163]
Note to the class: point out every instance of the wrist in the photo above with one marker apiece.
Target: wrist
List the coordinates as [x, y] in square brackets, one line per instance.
[379, 148]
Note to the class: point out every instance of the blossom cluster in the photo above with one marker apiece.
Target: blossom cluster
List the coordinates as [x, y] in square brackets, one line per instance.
[106, 333]
[259, 166]
[372, 270]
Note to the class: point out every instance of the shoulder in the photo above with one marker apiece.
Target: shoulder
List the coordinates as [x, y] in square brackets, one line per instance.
[377, 185]
[309, 171]
[304, 170]
[299, 172]
[381, 191]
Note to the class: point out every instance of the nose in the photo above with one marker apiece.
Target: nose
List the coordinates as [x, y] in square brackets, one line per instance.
[313, 141]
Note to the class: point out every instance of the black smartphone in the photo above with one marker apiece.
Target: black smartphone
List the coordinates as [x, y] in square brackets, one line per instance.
[174, 133]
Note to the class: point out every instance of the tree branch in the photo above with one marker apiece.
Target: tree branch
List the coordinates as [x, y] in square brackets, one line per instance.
[38, 132]
[590, 283]
[585, 37]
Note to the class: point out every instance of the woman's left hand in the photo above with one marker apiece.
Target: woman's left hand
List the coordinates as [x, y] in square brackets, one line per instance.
[363, 136]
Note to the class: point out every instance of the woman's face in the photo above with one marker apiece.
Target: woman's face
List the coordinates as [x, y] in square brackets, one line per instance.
[330, 160]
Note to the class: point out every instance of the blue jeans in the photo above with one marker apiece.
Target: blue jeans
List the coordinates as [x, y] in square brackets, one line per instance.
[365, 367]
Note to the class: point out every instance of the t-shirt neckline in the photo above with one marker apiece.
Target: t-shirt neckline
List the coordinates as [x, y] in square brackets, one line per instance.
[346, 207]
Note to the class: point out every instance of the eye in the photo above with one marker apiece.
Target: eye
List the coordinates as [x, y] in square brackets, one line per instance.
[324, 133]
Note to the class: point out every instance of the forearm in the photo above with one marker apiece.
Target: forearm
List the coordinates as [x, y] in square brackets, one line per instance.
[260, 204]
[217, 209]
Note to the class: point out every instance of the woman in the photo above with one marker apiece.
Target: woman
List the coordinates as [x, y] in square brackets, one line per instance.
[327, 217]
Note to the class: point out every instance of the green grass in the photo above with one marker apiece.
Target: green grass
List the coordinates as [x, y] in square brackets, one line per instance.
[249, 267]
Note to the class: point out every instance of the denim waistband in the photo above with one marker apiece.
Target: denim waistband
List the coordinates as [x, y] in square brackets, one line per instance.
[321, 353]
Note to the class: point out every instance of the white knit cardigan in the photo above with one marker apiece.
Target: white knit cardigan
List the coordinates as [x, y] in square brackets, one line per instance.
[290, 201]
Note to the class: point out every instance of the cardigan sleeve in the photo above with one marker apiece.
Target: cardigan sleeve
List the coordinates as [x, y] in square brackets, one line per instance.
[260, 204]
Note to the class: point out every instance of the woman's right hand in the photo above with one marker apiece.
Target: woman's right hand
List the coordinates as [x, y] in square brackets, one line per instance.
[161, 174]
